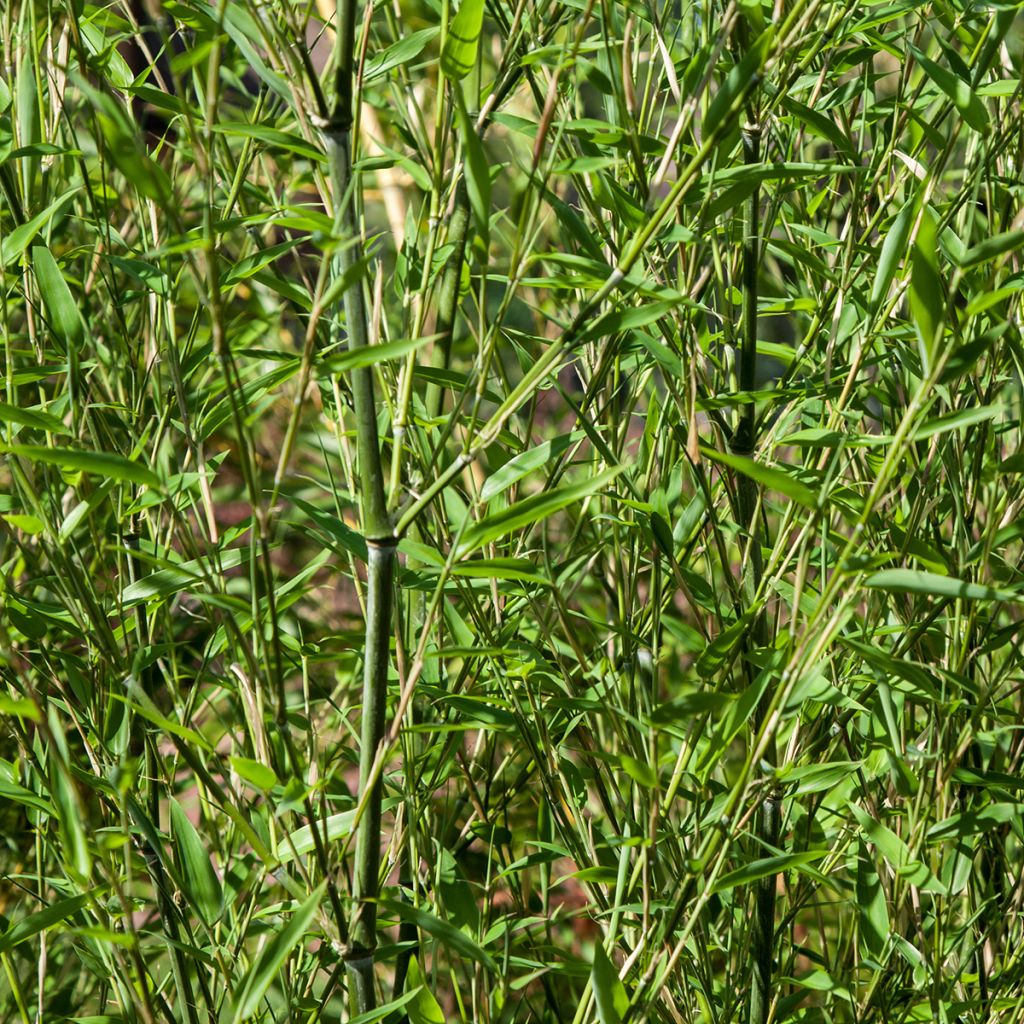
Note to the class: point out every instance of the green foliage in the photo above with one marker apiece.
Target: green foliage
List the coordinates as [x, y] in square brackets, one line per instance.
[691, 685]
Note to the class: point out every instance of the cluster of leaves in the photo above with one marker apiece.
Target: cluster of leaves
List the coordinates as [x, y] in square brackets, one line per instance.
[584, 723]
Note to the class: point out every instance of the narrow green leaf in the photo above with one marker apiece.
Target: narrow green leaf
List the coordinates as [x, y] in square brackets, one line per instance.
[202, 885]
[820, 123]
[347, 539]
[737, 714]
[123, 145]
[104, 464]
[458, 54]
[501, 569]
[272, 138]
[257, 261]
[370, 355]
[927, 293]
[896, 851]
[740, 80]
[165, 582]
[424, 1009]
[818, 778]
[34, 418]
[894, 249]
[21, 237]
[530, 511]
[254, 772]
[74, 846]
[873, 913]
[61, 308]
[956, 420]
[638, 771]
[478, 176]
[262, 973]
[960, 92]
[992, 248]
[301, 842]
[42, 920]
[609, 992]
[20, 795]
[971, 823]
[780, 480]
[143, 706]
[380, 1012]
[448, 935]
[766, 866]
[397, 54]
[245, 33]
[930, 584]
[525, 463]
[620, 320]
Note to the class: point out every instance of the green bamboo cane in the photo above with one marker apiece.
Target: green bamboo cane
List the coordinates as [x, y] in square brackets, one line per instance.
[380, 536]
[748, 500]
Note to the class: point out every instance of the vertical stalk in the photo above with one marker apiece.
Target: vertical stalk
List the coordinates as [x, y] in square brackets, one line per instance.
[380, 536]
[744, 441]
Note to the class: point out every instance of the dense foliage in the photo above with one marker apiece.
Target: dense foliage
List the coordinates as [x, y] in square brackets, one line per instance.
[678, 347]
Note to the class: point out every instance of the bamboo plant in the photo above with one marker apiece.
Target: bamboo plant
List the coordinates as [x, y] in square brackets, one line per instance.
[509, 512]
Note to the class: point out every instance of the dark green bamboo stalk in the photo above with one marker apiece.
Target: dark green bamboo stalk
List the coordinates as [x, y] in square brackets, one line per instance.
[380, 536]
[767, 820]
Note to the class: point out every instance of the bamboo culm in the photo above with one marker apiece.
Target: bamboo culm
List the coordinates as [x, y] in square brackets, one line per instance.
[380, 535]
[767, 822]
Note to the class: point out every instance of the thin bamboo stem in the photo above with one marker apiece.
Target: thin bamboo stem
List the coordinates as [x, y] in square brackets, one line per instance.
[379, 533]
[748, 495]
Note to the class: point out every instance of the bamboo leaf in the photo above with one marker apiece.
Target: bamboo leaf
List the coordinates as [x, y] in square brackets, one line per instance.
[458, 54]
[524, 463]
[740, 80]
[930, 584]
[957, 420]
[775, 479]
[445, 933]
[927, 294]
[531, 511]
[424, 1008]
[766, 866]
[254, 772]
[959, 91]
[202, 885]
[63, 312]
[478, 176]
[301, 842]
[43, 920]
[74, 843]
[992, 248]
[267, 967]
[165, 582]
[105, 464]
[20, 238]
[34, 418]
[371, 355]
[894, 249]
[609, 992]
[257, 261]
[399, 53]
[871, 906]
